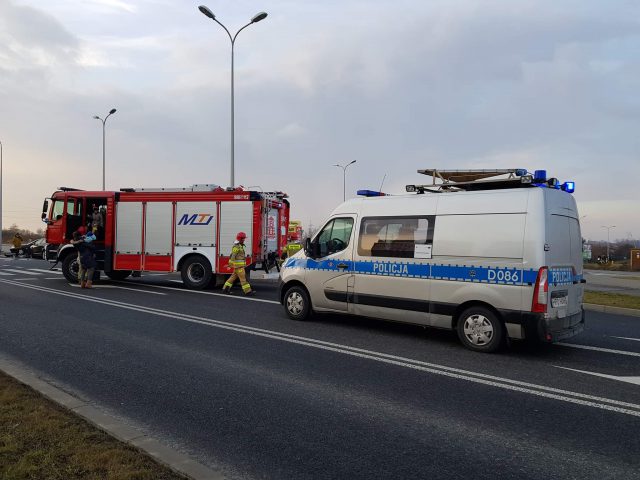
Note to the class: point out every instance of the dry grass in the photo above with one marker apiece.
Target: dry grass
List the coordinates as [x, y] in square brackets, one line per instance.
[613, 266]
[612, 299]
[41, 441]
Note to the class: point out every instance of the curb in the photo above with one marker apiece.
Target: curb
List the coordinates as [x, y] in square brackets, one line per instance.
[633, 312]
[168, 457]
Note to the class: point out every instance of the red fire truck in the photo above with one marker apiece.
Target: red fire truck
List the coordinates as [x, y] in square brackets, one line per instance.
[187, 230]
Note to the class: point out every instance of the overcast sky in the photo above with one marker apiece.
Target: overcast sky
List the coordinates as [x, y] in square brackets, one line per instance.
[396, 85]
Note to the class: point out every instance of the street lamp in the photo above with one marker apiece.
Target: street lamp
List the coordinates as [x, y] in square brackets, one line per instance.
[111, 112]
[608, 230]
[344, 178]
[259, 16]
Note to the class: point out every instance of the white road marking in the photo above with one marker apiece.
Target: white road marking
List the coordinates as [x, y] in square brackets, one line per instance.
[51, 278]
[186, 290]
[634, 380]
[7, 274]
[45, 271]
[598, 349]
[24, 279]
[475, 377]
[628, 338]
[102, 286]
[25, 272]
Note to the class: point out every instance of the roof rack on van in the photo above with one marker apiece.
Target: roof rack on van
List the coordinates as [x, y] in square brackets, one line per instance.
[455, 180]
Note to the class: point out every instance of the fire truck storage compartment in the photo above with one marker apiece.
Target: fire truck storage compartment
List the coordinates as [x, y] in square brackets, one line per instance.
[272, 230]
[128, 246]
[195, 227]
[235, 217]
[158, 236]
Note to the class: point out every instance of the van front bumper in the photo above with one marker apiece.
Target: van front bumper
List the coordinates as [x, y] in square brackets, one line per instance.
[553, 329]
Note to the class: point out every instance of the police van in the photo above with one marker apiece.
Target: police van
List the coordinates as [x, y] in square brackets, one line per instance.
[492, 254]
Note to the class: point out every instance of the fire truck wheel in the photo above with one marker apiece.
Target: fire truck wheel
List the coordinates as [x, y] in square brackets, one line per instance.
[118, 274]
[297, 303]
[70, 268]
[196, 272]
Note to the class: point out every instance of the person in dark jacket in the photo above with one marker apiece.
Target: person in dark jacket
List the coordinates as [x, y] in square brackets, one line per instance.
[83, 242]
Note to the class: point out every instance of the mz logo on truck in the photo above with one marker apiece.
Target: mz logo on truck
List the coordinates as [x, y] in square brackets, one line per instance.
[196, 219]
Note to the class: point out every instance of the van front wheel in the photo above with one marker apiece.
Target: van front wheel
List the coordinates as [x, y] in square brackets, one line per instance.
[297, 303]
[479, 329]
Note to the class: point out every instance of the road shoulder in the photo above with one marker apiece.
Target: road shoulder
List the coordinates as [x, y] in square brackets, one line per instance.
[169, 457]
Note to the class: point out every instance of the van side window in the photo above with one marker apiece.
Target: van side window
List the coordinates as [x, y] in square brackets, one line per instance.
[335, 236]
[399, 237]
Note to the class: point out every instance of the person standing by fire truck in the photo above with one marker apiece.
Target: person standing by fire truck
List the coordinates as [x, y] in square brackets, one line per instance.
[238, 261]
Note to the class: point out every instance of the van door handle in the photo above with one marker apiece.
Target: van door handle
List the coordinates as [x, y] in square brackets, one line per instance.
[582, 280]
[342, 266]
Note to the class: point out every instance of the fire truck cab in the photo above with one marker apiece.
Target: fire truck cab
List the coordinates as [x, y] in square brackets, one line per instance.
[188, 230]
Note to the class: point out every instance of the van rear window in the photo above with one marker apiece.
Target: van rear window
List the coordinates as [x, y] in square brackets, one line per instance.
[397, 237]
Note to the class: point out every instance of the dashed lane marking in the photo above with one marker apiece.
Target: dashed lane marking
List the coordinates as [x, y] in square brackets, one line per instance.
[102, 286]
[598, 349]
[628, 338]
[185, 290]
[45, 271]
[634, 380]
[24, 272]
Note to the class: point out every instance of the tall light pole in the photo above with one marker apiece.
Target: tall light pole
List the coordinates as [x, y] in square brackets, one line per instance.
[344, 178]
[609, 227]
[259, 16]
[0, 196]
[111, 112]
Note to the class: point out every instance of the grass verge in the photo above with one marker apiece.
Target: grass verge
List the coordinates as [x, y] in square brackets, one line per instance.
[612, 299]
[41, 440]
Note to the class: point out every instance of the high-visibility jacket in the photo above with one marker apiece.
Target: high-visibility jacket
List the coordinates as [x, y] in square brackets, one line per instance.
[291, 249]
[17, 242]
[238, 258]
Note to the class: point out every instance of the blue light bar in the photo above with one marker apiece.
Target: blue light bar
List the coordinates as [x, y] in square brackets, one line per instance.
[521, 172]
[540, 176]
[569, 187]
[370, 193]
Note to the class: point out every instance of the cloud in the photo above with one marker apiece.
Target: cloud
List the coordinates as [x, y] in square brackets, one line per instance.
[465, 84]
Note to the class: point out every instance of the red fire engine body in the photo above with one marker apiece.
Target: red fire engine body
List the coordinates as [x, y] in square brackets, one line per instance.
[187, 230]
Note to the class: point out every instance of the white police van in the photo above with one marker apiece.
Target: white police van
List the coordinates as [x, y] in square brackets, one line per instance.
[492, 258]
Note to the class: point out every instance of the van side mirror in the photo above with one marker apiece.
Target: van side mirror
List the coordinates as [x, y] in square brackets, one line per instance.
[310, 249]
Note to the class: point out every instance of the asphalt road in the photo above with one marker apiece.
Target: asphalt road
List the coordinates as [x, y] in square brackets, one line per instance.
[627, 283]
[236, 385]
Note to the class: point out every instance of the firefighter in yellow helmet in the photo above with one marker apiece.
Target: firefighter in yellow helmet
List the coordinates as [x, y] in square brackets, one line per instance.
[238, 262]
[292, 247]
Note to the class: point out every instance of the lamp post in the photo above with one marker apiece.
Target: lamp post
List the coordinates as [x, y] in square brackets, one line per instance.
[609, 227]
[259, 16]
[111, 112]
[344, 178]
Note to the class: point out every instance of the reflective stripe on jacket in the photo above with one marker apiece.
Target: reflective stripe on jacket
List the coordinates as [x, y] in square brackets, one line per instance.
[238, 257]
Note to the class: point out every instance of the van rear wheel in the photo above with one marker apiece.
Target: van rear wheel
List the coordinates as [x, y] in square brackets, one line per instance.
[297, 303]
[480, 329]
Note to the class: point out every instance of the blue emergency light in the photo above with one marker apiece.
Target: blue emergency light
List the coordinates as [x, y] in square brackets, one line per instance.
[370, 193]
[540, 176]
[569, 187]
[521, 172]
